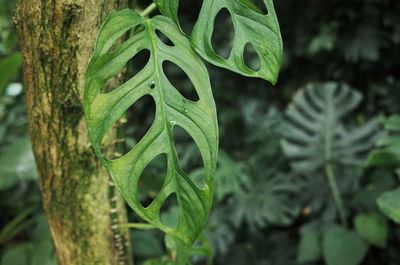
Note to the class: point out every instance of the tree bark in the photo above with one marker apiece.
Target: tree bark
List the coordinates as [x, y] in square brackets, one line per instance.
[57, 39]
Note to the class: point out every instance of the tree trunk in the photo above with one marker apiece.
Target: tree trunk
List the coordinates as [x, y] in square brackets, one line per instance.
[57, 39]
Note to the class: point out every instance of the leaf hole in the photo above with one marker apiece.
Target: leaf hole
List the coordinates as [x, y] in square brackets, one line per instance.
[256, 5]
[152, 179]
[251, 58]
[188, 13]
[179, 79]
[311, 102]
[190, 158]
[306, 109]
[138, 62]
[200, 259]
[136, 121]
[131, 68]
[169, 212]
[140, 117]
[223, 34]
[164, 39]
[138, 28]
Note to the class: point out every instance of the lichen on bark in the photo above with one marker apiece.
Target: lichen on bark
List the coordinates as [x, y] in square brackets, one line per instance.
[57, 39]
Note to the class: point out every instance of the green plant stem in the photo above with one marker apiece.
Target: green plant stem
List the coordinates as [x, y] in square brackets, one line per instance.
[336, 194]
[137, 226]
[148, 10]
[18, 223]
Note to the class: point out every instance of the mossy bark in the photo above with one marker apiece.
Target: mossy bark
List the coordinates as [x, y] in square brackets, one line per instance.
[57, 39]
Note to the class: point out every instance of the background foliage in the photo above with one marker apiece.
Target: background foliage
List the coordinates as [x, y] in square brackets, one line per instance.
[266, 212]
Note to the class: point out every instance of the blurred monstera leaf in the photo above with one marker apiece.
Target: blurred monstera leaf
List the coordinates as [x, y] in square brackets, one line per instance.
[315, 133]
[169, 8]
[266, 201]
[252, 28]
[230, 176]
[197, 118]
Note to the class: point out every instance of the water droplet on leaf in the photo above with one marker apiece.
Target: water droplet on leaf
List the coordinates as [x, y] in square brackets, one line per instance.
[152, 84]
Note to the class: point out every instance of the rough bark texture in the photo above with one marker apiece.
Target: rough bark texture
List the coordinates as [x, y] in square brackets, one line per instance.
[57, 39]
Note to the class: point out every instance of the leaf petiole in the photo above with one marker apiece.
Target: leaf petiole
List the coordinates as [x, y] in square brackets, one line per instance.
[335, 193]
[137, 226]
[148, 10]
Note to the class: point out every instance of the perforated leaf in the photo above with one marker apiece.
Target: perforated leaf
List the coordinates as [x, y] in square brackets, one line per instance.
[198, 118]
[261, 31]
[250, 26]
[266, 201]
[315, 133]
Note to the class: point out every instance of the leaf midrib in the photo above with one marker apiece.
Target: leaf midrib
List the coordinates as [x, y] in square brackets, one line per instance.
[161, 94]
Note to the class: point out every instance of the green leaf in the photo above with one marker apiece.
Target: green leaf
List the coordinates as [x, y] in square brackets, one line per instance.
[42, 231]
[251, 27]
[342, 246]
[379, 182]
[9, 69]
[373, 228]
[388, 156]
[388, 151]
[393, 123]
[197, 118]
[17, 163]
[43, 254]
[251, 5]
[389, 204]
[314, 132]
[169, 8]
[309, 247]
[18, 254]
